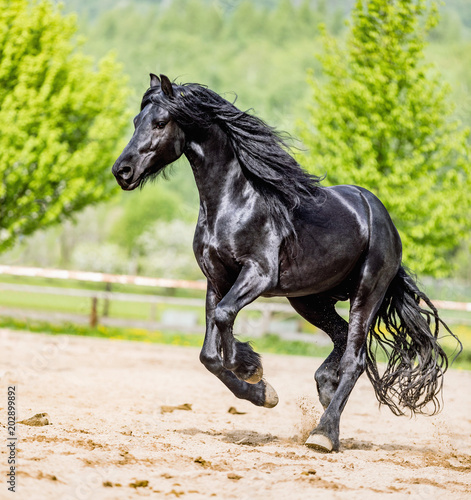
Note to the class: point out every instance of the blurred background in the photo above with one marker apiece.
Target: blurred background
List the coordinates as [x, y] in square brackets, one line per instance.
[260, 51]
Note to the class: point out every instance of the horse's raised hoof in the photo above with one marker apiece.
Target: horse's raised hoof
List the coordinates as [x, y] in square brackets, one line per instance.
[256, 377]
[271, 397]
[319, 442]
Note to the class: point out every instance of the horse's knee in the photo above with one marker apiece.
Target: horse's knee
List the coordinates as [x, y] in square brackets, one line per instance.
[223, 316]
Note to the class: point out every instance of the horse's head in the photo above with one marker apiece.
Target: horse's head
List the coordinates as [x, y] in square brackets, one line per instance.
[157, 140]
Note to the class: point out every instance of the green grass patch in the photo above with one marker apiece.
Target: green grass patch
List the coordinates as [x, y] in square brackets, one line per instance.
[82, 305]
[266, 344]
[134, 334]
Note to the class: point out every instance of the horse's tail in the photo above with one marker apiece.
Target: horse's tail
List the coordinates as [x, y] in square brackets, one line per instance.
[408, 335]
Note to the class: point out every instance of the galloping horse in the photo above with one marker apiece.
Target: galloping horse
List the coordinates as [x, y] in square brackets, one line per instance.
[268, 228]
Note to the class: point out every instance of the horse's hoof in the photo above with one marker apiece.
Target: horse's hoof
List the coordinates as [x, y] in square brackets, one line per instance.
[256, 377]
[319, 442]
[271, 397]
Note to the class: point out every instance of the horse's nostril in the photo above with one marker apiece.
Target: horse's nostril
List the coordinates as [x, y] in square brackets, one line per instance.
[125, 172]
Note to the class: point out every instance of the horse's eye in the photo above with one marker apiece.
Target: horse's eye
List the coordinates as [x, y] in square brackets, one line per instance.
[160, 125]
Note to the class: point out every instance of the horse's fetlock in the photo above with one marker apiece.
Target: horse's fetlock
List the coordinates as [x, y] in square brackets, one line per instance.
[231, 364]
[211, 362]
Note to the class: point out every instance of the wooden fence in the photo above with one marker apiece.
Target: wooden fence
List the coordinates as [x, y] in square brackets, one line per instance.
[246, 324]
[264, 322]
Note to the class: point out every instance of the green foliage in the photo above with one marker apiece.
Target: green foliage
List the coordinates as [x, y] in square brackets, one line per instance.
[140, 210]
[248, 48]
[62, 119]
[383, 120]
[259, 48]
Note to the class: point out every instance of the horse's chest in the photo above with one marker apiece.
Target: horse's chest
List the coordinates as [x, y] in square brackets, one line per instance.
[215, 256]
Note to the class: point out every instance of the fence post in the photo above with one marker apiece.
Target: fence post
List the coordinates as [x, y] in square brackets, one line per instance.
[94, 313]
[106, 303]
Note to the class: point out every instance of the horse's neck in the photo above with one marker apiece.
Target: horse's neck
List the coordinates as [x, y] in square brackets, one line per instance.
[216, 168]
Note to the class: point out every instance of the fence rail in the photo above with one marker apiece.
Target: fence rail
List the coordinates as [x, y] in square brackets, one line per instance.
[124, 279]
[255, 327]
[267, 309]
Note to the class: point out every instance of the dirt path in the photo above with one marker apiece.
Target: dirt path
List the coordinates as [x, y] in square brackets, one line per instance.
[111, 437]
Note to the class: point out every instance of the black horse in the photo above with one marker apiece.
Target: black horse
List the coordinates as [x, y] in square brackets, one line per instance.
[268, 228]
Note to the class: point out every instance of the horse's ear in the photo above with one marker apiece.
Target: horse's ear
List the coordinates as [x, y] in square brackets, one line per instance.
[167, 88]
[154, 80]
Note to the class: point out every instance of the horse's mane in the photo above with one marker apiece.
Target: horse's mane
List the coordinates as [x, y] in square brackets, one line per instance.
[260, 149]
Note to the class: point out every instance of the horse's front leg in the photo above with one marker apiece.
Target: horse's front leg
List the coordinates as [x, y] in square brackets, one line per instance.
[239, 357]
[260, 393]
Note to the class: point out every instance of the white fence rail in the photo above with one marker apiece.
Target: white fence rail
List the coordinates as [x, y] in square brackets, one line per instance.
[184, 322]
[265, 323]
[124, 279]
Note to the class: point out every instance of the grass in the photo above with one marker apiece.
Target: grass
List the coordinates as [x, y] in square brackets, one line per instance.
[130, 310]
[135, 310]
[463, 332]
[82, 305]
[266, 344]
[134, 334]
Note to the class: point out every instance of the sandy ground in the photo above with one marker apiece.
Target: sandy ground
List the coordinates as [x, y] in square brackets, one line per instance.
[112, 438]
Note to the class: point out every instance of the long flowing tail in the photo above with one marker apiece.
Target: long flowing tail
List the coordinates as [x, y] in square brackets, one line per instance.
[408, 334]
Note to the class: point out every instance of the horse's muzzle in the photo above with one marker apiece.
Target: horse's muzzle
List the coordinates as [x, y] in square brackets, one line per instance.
[124, 175]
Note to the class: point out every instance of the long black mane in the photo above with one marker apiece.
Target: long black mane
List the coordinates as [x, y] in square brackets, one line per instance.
[260, 149]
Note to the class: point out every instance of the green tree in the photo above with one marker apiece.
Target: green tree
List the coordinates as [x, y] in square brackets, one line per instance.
[141, 209]
[61, 120]
[382, 119]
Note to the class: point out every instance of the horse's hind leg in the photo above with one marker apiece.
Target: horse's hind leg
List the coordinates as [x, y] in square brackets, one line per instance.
[320, 311]
[364, 305]
[261, 393]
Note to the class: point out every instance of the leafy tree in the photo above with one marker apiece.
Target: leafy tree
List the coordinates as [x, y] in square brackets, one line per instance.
[140, 210]
[229, 46]
[61, 120]
[382, 120]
